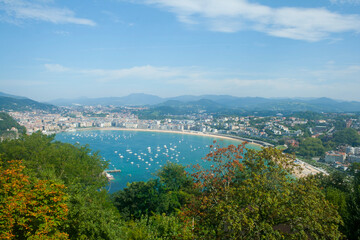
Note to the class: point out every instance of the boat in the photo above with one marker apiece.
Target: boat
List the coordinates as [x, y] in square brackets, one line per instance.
[109, 176]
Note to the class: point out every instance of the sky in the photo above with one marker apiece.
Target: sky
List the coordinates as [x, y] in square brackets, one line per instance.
[52, 49]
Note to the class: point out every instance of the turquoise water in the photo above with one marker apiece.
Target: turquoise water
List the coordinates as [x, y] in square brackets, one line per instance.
[140, 154]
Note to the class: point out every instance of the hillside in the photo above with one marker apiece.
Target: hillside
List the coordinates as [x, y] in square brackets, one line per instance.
[7, 123]
[2, 94]
[23, 104]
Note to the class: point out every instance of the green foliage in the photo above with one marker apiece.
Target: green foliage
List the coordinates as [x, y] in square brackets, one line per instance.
[7, 122]
[23, 104]
[311, 147]
[344, 192]
[254, 198]
[66, 163]
[308, 115]
[174, 177]
[339, 199]
[140, 199]
[353, 221]
[164, 195]
[91, 214]
[243, 195]
[347, 136]
[157, 227]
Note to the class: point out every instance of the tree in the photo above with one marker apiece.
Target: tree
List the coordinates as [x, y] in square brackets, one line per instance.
[92, 216]
[347, 136]
[160, 226]
[30, 209]
[7, 123]
[353, 220]
[174, 177]
[343, 191]
[311, 147]
[166, 194]
[255, 197]
[63, 162]
[91, 213]
[140, 199]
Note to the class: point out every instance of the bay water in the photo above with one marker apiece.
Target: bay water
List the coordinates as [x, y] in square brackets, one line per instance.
[140, 154]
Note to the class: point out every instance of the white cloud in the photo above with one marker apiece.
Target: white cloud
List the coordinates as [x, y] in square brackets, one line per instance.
[309, 24]
[56, 68]
[354, 2]
[18, 10]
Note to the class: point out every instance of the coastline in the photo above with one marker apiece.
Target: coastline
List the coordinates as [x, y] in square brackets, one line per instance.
[305, 169]
[170, 131]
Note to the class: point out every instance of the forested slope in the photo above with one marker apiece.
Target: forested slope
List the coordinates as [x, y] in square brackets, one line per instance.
[56, 190]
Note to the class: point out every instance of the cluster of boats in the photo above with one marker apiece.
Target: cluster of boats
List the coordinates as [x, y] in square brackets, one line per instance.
[126, 154]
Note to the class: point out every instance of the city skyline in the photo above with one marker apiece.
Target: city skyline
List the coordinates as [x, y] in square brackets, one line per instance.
[67, 49]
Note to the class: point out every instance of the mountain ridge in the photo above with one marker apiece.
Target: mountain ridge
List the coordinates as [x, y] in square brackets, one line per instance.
[322, 104]
[191, 103]
[23, 104]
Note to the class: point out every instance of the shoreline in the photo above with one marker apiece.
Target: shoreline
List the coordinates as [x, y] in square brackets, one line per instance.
[306, 169]
[194, 133]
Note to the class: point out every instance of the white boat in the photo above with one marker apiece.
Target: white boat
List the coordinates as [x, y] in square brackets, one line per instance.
[109, 176]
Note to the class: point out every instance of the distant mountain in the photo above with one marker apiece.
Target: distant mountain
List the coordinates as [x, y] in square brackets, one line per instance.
[193, 106]
[136, 99]
[23, 104]
[224, 103]
[141, 99]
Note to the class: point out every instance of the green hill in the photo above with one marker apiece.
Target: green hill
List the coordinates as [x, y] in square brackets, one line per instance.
[24, 104]
[6, 124]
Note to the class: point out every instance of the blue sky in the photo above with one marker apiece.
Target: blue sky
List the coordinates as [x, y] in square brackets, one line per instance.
[268, 48]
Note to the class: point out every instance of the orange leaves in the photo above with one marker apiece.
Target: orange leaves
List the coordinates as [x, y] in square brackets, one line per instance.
[29, 209]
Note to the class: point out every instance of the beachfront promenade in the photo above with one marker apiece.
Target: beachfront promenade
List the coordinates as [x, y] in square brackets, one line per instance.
[208, 134]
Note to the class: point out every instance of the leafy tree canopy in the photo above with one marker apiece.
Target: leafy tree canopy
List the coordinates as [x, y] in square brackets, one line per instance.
[30, 209]
[311, 147]
[91, 213]
[255, 197]
[347, 136]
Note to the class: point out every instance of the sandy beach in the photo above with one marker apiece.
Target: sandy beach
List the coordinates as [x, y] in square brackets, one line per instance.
[168, 131]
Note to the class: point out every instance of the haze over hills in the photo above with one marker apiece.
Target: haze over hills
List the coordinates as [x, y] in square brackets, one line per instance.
[136, 99]
[217, 102]
[189, 103]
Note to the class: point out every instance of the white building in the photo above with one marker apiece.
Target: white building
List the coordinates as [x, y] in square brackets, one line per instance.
[354, 158]
[332, 157]
[350, 150]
